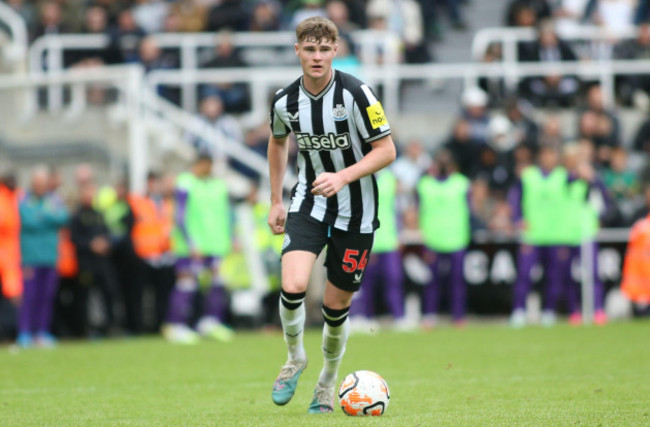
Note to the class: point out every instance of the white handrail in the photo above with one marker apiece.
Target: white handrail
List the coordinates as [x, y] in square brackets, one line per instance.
[18, 29]
[193, 124]
[509, 37]
[263, 80]
[370, 42]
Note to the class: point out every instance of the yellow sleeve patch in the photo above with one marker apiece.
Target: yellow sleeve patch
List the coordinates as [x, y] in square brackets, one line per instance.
[376, 115]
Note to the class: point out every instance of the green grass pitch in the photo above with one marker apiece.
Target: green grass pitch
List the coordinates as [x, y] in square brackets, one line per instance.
[483, 375]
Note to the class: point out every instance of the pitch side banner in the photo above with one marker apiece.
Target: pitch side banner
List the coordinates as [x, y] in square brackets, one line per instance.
[490, 270]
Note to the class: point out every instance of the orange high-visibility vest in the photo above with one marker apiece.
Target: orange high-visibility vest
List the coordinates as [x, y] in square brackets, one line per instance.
[636, 269]
[150, 233]
[11, 276]
[67, 264]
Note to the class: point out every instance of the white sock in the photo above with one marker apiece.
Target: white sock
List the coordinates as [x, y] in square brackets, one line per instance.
[334, 340]
[293, 325]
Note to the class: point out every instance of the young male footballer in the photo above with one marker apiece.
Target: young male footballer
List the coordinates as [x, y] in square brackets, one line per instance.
[343, 138]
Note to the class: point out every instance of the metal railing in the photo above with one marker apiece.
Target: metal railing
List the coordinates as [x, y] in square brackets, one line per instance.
[47, 53]
[263, 81]
[509, 37]
[17, 48]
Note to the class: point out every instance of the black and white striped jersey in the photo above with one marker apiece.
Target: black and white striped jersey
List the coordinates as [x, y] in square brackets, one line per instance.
[333, 130]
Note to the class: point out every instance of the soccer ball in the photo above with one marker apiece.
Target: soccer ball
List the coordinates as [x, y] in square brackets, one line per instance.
[364, 393]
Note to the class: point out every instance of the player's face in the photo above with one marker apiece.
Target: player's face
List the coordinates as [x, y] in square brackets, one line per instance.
[316, 57]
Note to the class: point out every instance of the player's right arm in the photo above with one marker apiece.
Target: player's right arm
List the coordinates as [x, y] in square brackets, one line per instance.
[278, 153]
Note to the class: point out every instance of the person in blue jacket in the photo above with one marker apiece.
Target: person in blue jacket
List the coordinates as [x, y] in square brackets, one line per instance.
[42, 214]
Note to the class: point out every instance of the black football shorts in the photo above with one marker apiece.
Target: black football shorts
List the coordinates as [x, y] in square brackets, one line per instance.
[347, 252]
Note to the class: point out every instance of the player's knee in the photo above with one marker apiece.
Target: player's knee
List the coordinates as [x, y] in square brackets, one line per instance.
[294, 287]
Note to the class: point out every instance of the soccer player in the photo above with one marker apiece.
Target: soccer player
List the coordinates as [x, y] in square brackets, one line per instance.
[587, 203]
[200, 239]
[539, 205]
[343, 137]
[444, 217]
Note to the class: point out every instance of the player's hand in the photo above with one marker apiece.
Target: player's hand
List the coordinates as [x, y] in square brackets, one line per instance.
[327, 184]
[277, 218]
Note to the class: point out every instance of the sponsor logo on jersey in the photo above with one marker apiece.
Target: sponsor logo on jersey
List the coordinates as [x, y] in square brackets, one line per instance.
[376, 115]
[358, 277]
[330, 141]
[293, 117]
[339, 112]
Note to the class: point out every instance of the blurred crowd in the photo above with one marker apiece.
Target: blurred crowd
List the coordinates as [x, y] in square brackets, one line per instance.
[101, 259]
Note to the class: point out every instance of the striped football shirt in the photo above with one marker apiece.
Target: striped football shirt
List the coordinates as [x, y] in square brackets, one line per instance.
[333, 130]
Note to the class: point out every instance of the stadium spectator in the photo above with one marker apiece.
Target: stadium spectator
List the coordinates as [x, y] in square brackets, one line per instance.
[621, 182]
[226, 55]
[191, 15]
[126, 36]
[50, 21]
[10, 272]
[255, 139]
[535, 10]
[551, 132]
[586, 205]
[494, 86]
[444, 217]
[383, 275]
[535, 200]
[525, 129]
[266, 16]
[357, 12]
[481, 203]
[570, 15]
[41, 217]
[555, 89]
[615, 16]
[228, 15]
[474, 110]
[644, 210]
[503, 143]
[150, 14]
[600, 124]
[27, 10]
[451, 7]
[409, 166]
[463, 148]
[212, 113]
[95, 21]
[641, 143]
[118, 215]
[337, 12]
[346, 60]
[152, 57]
[403, 17]
[90, 237]
[637, 48]
[200, 239]
[307, 9]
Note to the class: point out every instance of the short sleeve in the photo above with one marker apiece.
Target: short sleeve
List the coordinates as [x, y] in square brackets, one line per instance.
[369, 115]
[279, 128]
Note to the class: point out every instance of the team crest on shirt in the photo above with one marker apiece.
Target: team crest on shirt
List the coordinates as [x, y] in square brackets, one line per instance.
[339, 112]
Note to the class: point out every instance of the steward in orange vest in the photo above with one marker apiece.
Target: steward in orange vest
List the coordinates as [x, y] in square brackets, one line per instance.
[11, 276]
[636, 269]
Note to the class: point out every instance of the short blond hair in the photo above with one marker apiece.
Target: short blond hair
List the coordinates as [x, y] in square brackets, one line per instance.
[317, 29]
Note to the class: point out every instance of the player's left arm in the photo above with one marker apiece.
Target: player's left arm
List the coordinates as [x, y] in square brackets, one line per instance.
[382, 154]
